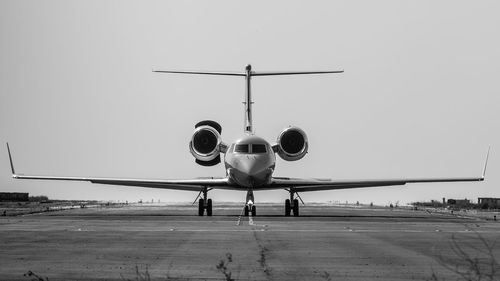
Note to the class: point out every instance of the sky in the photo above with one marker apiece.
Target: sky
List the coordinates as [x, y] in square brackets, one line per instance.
[419, 97]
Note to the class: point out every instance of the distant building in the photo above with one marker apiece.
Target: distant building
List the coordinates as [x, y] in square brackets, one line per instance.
[460, 202]
[488, 203]
[14, 196]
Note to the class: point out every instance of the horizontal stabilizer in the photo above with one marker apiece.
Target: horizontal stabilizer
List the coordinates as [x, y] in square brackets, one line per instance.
[248, 73]
[294, 73]
[201, 72]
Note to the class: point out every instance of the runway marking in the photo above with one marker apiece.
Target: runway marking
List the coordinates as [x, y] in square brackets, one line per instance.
[239, 217]
[265, 228]
[285, 230]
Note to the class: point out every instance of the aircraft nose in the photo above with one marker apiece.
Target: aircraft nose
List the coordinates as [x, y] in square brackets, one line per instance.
[251, 168]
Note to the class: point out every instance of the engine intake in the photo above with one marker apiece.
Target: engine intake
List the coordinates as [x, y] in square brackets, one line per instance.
[292, 144]
[206, 142]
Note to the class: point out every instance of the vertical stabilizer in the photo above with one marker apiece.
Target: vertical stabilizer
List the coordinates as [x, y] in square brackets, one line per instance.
[248, 125]
[248, 101]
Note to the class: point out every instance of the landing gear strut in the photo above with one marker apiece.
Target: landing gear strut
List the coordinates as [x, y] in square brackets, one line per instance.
[249, 206]
[292, 204]
[204, 203]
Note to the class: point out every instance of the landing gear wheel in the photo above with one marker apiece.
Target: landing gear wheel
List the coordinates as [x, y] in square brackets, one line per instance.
[254, 212]
[246, 211]
[201, 207]
[287, 207]
[209, 207]
[295, 208]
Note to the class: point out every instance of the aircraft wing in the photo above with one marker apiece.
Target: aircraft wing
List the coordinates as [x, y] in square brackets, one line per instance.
[189, 184]
[298, 184]
[186, 184]
[303, 185]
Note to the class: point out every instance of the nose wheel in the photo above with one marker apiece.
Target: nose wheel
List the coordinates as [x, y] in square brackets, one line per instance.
[250, 209]
[249, 206]
[292, 204]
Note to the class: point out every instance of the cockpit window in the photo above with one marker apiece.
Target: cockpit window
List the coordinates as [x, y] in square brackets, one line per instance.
[241, 148]
[258, 148]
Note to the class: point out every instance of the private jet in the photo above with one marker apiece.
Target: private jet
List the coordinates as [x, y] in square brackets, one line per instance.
[249, 161]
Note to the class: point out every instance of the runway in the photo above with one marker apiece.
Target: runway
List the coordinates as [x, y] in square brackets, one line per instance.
[169, 242]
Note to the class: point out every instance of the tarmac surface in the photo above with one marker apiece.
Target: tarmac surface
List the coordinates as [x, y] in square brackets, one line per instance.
[170, 242]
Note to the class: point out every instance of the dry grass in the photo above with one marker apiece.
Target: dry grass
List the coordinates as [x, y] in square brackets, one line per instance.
[470, 260]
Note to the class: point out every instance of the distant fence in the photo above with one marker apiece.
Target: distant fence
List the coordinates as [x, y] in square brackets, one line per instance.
[14, 196]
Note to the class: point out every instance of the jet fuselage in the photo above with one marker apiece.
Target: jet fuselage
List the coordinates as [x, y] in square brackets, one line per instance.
[250, 162]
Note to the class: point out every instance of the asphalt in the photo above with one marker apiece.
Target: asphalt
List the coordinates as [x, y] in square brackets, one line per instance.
[170, 242]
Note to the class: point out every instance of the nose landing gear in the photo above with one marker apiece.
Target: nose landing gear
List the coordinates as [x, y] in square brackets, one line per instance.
[250, 209]
[249, 206]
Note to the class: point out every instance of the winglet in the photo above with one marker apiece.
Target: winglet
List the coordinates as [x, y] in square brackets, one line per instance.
[11, 164]
[486, 163]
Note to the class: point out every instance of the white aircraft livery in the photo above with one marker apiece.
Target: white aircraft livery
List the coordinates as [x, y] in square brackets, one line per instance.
[249, 161]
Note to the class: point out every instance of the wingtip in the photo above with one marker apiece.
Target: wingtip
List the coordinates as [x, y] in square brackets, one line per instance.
[11, 163]
[486, 162]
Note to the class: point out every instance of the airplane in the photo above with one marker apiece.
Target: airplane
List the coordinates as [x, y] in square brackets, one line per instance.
[249, 162]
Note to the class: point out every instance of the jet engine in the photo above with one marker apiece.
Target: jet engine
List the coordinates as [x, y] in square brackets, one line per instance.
[205, 144]
[292, 144]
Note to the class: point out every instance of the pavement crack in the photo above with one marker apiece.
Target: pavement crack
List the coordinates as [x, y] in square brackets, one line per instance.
[263, 253]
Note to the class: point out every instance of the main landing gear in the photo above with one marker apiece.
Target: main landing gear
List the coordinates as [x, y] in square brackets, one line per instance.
[204, 203]
[249, 206]
[292, 204]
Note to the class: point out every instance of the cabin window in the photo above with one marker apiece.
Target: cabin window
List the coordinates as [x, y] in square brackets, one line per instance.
[258, 148]
[241, 148]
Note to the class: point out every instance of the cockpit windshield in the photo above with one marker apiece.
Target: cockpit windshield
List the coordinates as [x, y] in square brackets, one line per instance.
[258, 148]
[250, 148]
[241, 148]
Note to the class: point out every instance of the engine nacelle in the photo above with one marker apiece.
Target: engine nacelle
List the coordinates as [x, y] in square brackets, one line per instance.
[292, 144]
[205, 144]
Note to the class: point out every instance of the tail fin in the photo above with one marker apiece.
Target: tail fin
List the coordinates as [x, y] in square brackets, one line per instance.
[248, 74]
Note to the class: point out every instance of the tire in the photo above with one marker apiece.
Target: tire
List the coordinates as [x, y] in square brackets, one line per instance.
[246, 211]
[254, 211]
[209, 207]
[295, 207]
[287, 208]
[201, 207]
